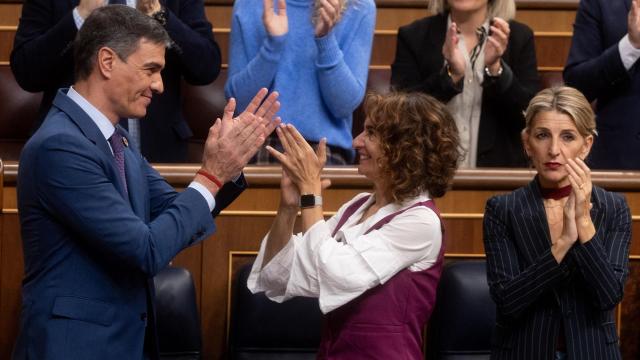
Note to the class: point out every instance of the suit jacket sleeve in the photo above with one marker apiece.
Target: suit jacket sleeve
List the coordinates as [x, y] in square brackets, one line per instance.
[513, 288]
[406, 73]
[229, 192]
[72, 182]
[518, 83]
[42, 45]
[603, 261]
[162, 194]
[197, 51]
[592, 67]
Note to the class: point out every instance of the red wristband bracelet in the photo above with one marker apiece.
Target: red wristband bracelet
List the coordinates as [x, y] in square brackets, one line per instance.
[210, 177]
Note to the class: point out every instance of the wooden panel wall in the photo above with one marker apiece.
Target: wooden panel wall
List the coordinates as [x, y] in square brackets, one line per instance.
[241, 227]
[547, 23]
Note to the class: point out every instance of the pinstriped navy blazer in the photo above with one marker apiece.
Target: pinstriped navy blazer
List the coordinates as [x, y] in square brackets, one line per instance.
[535, 295]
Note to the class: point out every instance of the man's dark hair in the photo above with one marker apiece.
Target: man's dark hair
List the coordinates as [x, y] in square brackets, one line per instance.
[118, 27]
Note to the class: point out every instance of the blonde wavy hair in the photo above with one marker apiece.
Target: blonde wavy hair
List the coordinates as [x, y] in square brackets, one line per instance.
[565, 100]
[505, 9]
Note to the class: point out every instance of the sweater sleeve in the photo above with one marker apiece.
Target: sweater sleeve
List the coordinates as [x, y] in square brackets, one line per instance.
[249, 68]
[342, 72]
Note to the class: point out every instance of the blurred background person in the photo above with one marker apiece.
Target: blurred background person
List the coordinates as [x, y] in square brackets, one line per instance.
[378, 245]
[315, 54]
[42, 60]
[474, 57]
[602, 64]
[557, 249]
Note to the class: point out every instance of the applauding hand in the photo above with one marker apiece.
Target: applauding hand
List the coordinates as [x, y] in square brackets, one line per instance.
[302, 163]
[496, 44]
[580, 179]
[633, 24]
[232, 142]
[276, 23]
[328, 14]
[453, 55]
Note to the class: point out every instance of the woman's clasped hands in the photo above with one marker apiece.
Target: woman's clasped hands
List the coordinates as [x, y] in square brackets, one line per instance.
[580, 179]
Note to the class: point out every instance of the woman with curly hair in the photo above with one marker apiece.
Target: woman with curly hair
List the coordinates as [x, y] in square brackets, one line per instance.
[375, 265]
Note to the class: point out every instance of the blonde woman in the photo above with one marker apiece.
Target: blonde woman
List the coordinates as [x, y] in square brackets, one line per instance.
[557, 249]
[474, 57]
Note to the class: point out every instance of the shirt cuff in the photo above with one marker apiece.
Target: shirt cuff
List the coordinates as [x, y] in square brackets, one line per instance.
[628, 53]
[77, 18]
[211, 201]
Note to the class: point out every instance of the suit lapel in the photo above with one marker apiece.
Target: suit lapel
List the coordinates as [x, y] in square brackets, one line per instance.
[532, 223]
[438, 30]
[436, 36]
[82, 120]
[91, 131]
[135, 182]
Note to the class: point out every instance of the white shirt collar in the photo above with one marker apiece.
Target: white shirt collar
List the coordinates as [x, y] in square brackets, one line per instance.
[106, 127]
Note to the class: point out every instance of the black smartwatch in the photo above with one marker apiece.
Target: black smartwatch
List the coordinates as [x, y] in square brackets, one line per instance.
[310, 200]
[160, 16]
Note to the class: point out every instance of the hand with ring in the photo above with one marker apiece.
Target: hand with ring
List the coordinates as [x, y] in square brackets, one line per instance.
[579, 176]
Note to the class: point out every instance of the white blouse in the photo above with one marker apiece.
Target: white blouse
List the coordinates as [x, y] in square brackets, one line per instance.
[466, 107]
[338, 269]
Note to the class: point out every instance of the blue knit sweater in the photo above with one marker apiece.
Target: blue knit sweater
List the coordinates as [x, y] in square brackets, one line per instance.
[321, 81]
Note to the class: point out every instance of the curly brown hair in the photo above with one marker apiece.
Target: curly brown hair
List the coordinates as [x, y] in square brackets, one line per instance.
[418, 140]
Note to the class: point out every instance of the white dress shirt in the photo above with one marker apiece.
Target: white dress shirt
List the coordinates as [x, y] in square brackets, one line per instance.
[338, 269]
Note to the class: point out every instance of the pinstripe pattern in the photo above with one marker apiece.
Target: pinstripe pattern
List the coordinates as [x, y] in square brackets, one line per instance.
[534, 294]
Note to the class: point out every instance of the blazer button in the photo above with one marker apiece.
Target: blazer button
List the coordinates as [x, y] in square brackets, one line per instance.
[143, 316]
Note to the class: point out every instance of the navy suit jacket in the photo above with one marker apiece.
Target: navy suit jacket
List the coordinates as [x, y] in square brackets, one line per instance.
[535, 295]
[42, 60]
[595, 67]
[90, 250]
[418, 66]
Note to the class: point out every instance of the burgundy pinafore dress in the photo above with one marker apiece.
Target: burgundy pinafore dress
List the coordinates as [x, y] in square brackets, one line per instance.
[385, 322]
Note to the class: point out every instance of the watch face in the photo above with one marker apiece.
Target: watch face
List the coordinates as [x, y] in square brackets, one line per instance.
[307, 200]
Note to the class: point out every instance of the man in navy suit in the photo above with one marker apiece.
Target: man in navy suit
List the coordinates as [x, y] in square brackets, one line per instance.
[42, 60]
[97, 220]
[602, 64]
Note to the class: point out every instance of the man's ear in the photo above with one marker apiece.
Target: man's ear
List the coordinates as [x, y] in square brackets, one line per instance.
[105, 61]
